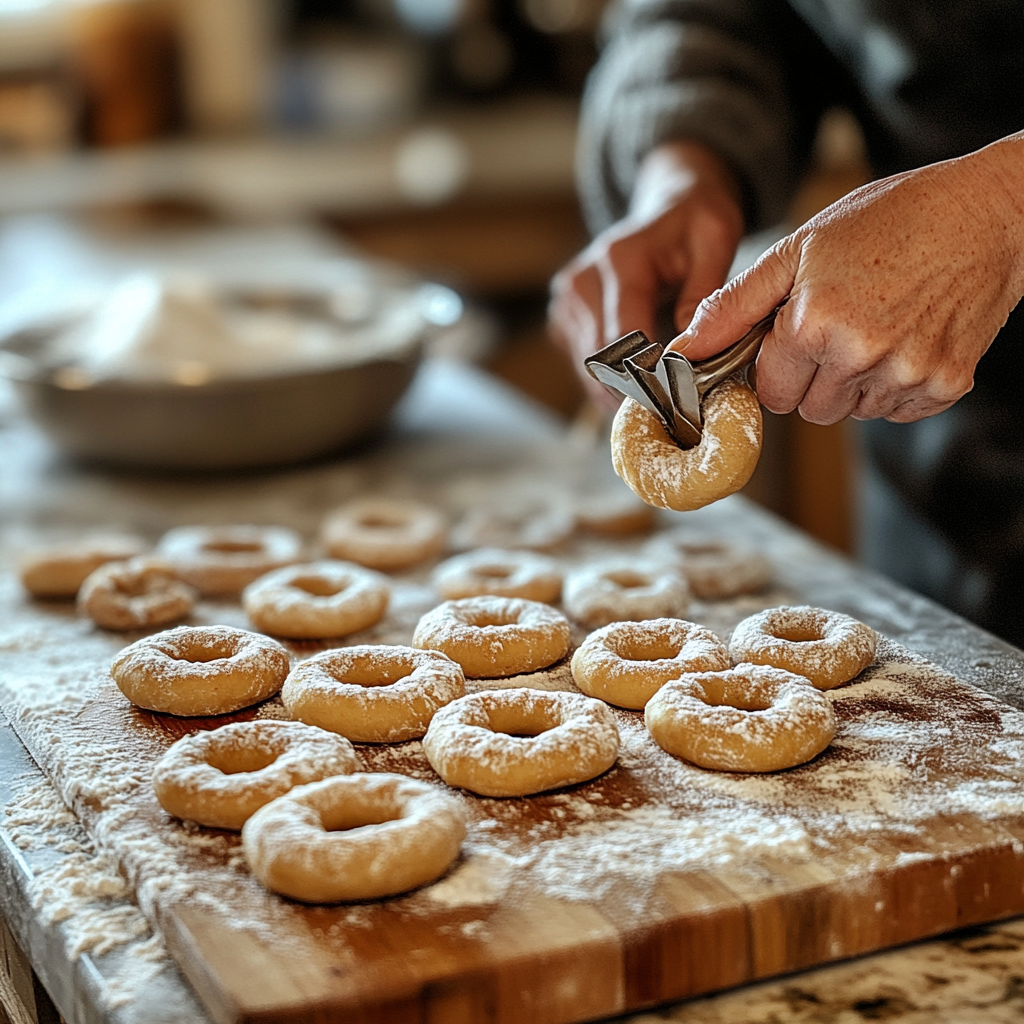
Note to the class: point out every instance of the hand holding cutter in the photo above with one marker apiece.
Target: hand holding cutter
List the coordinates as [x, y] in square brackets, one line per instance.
[666, 382]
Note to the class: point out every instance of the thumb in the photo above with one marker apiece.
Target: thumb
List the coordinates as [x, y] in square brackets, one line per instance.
[727, 314]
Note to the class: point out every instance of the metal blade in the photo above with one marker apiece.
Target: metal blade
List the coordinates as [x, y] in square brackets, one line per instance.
[608, 367]
[683, 390]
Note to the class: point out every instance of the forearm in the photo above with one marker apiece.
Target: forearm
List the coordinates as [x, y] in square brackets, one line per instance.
[673, 169]
[702, 72]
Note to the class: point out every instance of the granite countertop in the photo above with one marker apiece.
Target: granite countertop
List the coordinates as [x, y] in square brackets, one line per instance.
[455, 419]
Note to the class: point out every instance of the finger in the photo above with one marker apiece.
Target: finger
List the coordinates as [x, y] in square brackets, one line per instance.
[829, 398]
[709, 264]
[727, 314]
[917, 409]
[629, 286]
[785, 367]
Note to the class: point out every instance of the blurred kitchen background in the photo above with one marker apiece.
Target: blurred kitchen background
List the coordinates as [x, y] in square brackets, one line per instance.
[434, 134]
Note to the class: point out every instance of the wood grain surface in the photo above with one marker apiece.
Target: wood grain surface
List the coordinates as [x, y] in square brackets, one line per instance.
[654, 882]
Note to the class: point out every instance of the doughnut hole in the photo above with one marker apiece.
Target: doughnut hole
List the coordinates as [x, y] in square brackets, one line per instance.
[799, 634]
[628, 580]
[197, 653]
[232, 547]
[375, 672]
[493, 572]
[644, 648]
[317, 586]
[525, 723]
[349, 819]
[240, 760]
[715, 696]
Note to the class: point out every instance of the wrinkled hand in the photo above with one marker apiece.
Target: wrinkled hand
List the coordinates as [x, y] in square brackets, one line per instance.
[895, 292]
[681, 232]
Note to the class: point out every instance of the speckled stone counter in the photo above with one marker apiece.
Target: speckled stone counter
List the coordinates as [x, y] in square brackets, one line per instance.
[63, 900]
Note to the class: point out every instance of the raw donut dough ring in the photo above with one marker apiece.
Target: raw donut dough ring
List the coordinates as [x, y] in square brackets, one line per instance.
[316, 600]
[221, 777]
[385, 533]
[372, 694]
[200, 670]
[499, 573]
[623, 589]
[829, 648]
[535, 526]
[751, 718]
[219, 560]
[59, 570]
[626, 663]
[137, 594]
[354, 837]
[491, 637]
[714, 567]
[522, 741]
[667, 476]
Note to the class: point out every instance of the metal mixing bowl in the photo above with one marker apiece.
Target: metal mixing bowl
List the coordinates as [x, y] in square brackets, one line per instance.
[227, 423]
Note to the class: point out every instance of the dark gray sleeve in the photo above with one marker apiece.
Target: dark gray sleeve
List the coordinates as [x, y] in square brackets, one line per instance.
[712, 71]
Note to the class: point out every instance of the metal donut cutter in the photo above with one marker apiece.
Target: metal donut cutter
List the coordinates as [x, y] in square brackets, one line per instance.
[666, 382]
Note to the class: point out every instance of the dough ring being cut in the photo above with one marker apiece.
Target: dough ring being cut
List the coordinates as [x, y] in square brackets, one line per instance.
[492, 637]
[626, 663]
[373, 694]
[829, 648]
[200, 670]
[516, 742]
[221, 777]
[354, 837]
[667, 476]
[751, 718]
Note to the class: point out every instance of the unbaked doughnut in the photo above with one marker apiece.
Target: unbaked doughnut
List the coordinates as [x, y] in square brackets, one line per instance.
[624, 589]
[317, 599]
[715, 568]
[219, 777]
[751, 718]
[668, 476]
[501, 573]
[354, 837]
[219, 560]
[516, 742]
[200, 670]
[58, 571]
[137, 594]
[613, 513]
[538, 526]
[372, 694]
[492, 637]
[385, 533]
[626, 663]
[829, 648]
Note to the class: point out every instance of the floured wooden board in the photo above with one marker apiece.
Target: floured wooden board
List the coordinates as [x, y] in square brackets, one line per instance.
[654, 882]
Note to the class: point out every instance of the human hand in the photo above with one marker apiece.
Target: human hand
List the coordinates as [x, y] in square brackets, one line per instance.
[681, 231]
[895, 292]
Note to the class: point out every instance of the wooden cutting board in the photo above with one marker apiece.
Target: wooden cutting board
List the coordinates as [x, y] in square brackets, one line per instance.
[654, 882]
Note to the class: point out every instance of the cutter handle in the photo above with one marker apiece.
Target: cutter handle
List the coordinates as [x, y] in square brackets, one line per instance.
[713, 370]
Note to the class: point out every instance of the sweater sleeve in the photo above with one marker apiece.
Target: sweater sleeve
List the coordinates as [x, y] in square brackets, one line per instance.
[711, 71]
